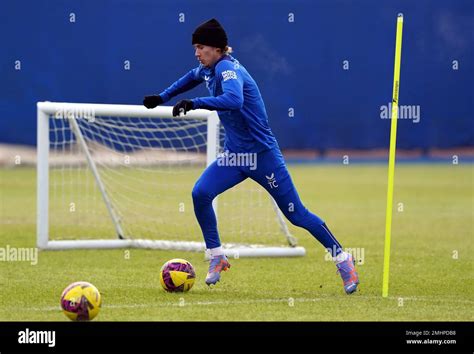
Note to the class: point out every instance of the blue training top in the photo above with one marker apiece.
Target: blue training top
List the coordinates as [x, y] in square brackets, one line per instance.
[236, 97]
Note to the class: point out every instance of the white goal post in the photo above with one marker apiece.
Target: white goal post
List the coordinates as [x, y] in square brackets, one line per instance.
[120, 176]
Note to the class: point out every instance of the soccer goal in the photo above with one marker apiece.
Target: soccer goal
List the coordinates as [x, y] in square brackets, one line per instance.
[121, 176]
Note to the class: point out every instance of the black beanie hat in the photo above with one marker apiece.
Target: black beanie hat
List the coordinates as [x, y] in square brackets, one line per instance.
[210, 33]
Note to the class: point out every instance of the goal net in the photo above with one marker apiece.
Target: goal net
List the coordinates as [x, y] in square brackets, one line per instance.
[121, 176]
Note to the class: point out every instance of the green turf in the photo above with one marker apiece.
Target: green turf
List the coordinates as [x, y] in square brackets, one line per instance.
[427, 282]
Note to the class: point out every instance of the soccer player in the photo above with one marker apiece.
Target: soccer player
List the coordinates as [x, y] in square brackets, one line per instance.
[236, 98]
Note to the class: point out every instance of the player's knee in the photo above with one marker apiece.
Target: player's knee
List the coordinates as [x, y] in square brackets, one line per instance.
[297, 220]
[296, 217]
[303, 218]
[201, 195]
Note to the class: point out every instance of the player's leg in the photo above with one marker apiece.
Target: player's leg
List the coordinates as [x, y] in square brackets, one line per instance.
[272, 174]
[214, 180]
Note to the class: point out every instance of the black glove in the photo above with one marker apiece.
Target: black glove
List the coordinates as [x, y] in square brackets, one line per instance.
[152, 101]
[182, 106]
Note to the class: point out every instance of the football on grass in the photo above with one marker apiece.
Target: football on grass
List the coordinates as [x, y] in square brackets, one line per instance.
[81, 301]
[177, 275]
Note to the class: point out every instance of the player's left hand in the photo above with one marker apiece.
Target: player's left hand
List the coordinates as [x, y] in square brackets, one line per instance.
[182, 106]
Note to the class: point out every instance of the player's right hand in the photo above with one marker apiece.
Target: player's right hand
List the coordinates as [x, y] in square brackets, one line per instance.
[152, 101]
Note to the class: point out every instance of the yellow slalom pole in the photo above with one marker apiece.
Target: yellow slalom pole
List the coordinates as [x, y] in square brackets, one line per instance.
[391, 158]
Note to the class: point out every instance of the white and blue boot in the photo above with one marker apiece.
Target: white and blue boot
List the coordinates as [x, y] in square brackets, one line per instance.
[216, 266]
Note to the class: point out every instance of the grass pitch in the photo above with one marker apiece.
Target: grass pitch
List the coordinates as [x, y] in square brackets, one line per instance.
[431, 273]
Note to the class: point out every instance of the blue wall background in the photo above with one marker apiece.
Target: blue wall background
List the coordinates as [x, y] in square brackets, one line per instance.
[296, 64]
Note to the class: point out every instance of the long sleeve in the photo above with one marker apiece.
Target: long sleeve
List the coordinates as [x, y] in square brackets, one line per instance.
[232, 97]
[185, 83]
